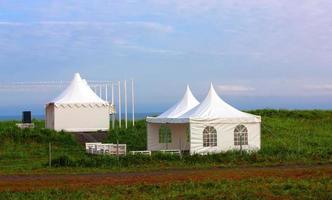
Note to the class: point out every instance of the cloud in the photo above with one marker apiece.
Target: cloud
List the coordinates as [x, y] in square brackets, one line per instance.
[151, 26]
[6, 23]
[195, 6]
[148, 25]
[143, 49]
[235, 88]
[320, 87]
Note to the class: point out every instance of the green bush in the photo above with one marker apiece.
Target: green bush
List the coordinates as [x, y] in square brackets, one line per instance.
[63, 161]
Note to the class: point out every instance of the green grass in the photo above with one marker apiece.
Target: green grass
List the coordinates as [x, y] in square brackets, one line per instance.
[254, 188]
[301, 137]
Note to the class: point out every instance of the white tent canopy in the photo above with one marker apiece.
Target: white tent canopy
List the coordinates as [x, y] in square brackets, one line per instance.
[212, 107]
[78, 92]
[78, 109]
[187, 103]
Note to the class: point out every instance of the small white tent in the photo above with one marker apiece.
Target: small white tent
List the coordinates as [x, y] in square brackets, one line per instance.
[177, 127]
[212, 126]
[78, 109]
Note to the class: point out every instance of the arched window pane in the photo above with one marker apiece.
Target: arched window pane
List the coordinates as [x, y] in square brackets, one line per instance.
[240, 135]
[209, 137]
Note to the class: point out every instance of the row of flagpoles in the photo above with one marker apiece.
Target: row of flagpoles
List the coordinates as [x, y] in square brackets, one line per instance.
[102, 90]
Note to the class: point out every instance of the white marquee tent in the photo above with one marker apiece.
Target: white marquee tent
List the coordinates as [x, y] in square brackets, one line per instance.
[210, 127]
[78, 109]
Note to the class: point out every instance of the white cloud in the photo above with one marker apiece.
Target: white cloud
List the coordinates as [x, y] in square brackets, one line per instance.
[151, 26]
[149, 50]
[5, 23]
[320, 87]
[235, 88]
[148, 25]
[195, 6]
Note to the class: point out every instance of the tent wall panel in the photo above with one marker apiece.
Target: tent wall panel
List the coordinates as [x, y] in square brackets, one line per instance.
[179, 137]
[225, 137]
[79, 119]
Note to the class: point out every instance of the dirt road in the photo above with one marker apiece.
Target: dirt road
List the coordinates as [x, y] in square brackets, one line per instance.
[36, 182]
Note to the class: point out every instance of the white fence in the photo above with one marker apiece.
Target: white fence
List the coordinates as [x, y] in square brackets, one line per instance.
[172, 152]
[106, 149]
[141, 153]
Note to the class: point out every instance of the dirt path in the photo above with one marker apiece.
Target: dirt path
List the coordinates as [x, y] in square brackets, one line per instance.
[36, 182]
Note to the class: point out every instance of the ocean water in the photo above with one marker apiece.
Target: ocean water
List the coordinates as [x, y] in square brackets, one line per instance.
[138, 116]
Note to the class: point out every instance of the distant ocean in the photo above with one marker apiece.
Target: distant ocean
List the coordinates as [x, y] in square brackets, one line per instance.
[138, 116]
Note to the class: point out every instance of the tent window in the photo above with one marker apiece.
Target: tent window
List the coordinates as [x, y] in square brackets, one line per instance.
[240, 135]
[165, 134]
[210, 137]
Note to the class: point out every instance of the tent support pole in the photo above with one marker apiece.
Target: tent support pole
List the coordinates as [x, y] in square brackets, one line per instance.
[133, 101]
[106, 98]
[100, 92]
[119, 95]
[113, 114]
[126, 104]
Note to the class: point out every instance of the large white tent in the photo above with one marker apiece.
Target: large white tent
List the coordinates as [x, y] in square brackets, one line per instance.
[78, 109]
[210, 127]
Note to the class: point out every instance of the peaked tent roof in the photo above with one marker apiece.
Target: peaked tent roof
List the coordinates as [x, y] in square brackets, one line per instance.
[213, 107]
[78, 92]
[187, 103]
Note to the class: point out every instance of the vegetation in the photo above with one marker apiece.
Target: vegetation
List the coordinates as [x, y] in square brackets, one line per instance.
[254, 188]
[301, 137]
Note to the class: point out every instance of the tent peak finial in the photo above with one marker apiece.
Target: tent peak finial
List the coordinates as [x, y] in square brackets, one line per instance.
[188, 87]
[77, 76]
[212, 88]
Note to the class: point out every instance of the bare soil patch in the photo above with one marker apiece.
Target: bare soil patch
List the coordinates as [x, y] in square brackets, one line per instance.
[37, 182]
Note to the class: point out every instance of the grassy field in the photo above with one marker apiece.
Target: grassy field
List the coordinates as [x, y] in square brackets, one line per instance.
[288, 137]
[255, 188]
[297, 143]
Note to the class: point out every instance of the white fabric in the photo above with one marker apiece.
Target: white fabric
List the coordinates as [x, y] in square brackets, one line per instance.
[187, 103]
[178, 135]
[225, 136]
[77, 118]
[213, 107]
[78, 92]
[78, 109]
[213, 111]
[167, 120]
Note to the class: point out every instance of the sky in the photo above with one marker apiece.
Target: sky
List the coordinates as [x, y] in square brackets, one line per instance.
[258, 53]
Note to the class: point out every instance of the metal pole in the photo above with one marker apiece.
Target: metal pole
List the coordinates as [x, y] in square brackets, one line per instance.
[106, 95]
[117, 150]
[126, 104]
[113, 114]
[298, 144]
[49, 154]
[119, 95]
[133, 101]
[100, 92]
[241, 143]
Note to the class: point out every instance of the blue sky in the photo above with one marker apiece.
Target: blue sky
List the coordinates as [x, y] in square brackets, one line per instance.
[258, 53]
